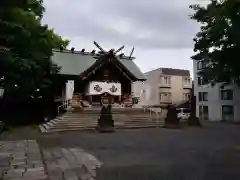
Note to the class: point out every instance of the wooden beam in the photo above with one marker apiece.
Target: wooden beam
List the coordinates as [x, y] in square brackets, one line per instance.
[93, 71]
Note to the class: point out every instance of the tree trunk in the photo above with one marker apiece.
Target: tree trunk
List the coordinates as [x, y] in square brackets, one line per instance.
[4, 102]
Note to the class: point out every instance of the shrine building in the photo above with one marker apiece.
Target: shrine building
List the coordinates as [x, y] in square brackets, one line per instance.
[89, 76]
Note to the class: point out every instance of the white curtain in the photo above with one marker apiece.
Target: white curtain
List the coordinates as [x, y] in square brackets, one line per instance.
[69, 89]
[96, 88]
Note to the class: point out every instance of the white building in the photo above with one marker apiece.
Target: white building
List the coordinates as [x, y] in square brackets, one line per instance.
[165, 86]
[142, 90]
[214, 103]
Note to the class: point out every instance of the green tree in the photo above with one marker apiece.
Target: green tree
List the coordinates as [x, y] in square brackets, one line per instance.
[57, 40]
[25, 59]
[26, 47]
[217, 44]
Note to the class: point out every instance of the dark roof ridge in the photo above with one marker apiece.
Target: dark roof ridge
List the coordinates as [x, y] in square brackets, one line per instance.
[88, 53]
[172, 71]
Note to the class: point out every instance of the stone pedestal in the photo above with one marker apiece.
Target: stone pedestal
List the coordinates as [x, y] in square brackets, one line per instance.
[193, 120]
[106, 122]
[171, 121]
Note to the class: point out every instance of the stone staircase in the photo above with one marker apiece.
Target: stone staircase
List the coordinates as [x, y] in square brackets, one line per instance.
[124, 118]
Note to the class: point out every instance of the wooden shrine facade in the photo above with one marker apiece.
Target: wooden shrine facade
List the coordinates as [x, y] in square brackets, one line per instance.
[84, 68]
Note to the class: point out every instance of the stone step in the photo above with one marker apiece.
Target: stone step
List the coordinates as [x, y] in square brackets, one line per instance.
[78, 114]
[114, 118]
[91, 117]
[91, 122]
[93, 128]
[96, 118]
[124, 118]
[95, 122]
[74, 127]
[95, 125]
[87, 114]
[80, 124]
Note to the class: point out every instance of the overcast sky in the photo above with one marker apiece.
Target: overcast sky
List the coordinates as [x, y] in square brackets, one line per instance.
[160, 30]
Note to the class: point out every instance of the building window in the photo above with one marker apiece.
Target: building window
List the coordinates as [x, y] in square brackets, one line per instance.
[202, 81]
[165, 80]
[186, 96]
[203, 112]
[227, 113]
[227, 94]
[203, 96]
[201, 65]
[186, 81]
[165, 96]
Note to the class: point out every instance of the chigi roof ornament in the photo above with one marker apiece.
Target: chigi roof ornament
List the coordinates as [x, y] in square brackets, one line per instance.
[111, 53]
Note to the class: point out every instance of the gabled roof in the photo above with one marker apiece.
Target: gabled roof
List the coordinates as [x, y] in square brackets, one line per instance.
[133, 68]
[72, 63]
[76, 63]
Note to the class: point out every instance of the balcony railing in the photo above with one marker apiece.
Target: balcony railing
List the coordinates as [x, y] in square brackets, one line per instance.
[165, 100]
[187, 86]
[161, 85]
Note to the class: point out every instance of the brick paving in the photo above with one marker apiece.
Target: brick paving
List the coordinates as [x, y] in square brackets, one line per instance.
[21, 160]
[70, 164]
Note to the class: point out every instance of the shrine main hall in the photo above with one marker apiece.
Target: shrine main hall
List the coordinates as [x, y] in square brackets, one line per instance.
[88, 76]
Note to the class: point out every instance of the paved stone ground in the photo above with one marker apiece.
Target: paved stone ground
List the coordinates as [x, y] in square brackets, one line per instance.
[70, 164]
[21, 160]
[208, 153]
[212, 152]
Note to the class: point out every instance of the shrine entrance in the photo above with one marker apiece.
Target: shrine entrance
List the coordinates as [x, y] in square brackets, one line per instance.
[97, 89]
[108, 78]
[96, 99]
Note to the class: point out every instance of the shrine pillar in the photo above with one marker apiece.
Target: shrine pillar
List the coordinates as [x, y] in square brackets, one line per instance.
[119, 99]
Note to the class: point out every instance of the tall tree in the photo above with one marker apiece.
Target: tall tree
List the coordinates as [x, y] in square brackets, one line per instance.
[25, 58]
[57, 40]
[26, 47]
[217, 44]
